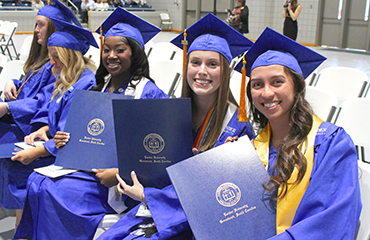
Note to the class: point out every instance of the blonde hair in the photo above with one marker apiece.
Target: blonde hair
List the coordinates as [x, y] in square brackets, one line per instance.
[74, 64]
[224, 96]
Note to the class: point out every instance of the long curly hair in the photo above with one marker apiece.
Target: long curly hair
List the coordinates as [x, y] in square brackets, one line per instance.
[290, 153]
[224, 96]
[139, 66]
[74, 65]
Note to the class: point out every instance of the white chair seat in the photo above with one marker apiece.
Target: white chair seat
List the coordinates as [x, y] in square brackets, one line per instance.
[109, 220]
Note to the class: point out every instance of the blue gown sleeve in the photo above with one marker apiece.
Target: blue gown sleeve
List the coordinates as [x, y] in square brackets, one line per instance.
[166, 210]
[35, 93]
[151, 91]
[331, 205]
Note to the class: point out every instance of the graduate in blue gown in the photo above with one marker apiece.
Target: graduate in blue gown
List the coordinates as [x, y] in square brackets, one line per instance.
[212, 45]
[71, 206]
[72, 71]
[312, 164]
[25, 97]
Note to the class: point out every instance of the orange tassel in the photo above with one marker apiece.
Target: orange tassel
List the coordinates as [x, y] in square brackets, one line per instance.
[184, 52]
[242, 109]
[101, 39]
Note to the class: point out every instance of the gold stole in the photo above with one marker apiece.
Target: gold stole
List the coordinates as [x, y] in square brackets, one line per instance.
[287, 206]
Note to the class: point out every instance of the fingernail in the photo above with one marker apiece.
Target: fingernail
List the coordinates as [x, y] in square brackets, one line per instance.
[133, 172]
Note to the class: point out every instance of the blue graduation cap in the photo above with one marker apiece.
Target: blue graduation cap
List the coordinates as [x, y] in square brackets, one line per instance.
[72, 37]
[212, 34]
[58, 10]
[125, 24]
[272, 47]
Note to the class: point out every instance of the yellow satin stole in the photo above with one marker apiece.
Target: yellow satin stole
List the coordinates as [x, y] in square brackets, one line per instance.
[287, 206]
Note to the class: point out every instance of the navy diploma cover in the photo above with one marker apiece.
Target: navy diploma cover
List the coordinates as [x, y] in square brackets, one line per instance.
[90, 124]
[222, 195]
[152, 134]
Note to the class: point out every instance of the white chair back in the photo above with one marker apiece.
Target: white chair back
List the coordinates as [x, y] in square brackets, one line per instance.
[3, 60]
[166, 21]
[343, 82]
[11, 70]
[162, 51]
[353, 116]
[94, 54]
[7, 40]
[24, 51]
[323, 103]
[165, 73]
[148, 47]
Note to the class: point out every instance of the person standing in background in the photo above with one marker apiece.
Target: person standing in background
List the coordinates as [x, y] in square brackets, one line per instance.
[291, 11]
[240, 17]
[37, 4]
[86, 6]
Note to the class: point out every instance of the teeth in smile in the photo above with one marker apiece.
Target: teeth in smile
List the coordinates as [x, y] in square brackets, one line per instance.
[113, 64]
[202, 81]
[270, 104]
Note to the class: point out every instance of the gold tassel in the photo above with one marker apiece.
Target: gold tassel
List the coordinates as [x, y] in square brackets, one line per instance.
[101, 39]
[184, 51]
[242, 109]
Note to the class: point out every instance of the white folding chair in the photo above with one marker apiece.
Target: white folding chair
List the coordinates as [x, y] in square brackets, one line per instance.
[163, 51]
[7, 39]
[353, 116]
[148, 47]
[24, 51]
[3, 25]
[11, 70]
[323, 103]
[364, 178]
[166, 21]
[94, 54]
[166, 74]
[343, 82]
[3, 60]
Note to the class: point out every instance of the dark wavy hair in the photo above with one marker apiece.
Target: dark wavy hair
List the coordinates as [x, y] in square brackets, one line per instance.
[290, 153]
[139, 66]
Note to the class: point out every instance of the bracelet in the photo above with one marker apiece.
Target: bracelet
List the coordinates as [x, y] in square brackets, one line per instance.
[142, 196]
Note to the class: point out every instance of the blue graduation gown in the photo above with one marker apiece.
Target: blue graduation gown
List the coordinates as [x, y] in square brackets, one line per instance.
[13, 175]
[35, 93]
[164, 205]
[331, 205]
[70, 206]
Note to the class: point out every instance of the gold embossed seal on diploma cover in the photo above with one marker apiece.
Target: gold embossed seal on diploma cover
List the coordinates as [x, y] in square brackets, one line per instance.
[95, 126]
[228, 194]
[153, 143]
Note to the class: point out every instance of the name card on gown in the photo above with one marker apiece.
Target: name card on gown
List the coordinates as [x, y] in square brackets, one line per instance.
[91, 127]
[152, 134]
[222, 195]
